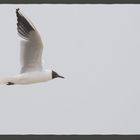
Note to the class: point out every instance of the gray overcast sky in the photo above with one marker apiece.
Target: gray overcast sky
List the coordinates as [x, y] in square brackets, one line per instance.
[97, 49]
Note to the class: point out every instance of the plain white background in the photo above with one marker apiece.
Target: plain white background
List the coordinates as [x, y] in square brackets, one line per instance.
[97, 49]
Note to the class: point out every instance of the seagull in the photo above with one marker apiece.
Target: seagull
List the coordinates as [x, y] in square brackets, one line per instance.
[31, 48]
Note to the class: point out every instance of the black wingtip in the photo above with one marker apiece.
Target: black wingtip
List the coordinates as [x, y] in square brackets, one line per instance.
[17, 10]
[23, 25]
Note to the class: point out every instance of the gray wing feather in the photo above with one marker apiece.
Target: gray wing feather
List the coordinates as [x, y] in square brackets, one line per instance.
[32, 47]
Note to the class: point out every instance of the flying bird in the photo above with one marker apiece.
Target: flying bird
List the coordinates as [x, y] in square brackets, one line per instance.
[30, 54]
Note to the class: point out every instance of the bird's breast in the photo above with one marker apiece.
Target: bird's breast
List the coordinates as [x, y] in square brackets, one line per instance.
[33, 77]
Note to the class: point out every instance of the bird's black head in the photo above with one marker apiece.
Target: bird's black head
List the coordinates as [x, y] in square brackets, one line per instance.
[55, 75]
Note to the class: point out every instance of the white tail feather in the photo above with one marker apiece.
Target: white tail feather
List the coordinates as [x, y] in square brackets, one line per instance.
[5, 80]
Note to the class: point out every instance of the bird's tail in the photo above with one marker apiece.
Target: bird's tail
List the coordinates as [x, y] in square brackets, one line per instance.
[5, 80]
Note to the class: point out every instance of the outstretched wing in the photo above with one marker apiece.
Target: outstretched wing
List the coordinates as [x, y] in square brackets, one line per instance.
[31, 46]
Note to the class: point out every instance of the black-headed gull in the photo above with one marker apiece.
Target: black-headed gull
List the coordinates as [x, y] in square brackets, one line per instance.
[31, 55]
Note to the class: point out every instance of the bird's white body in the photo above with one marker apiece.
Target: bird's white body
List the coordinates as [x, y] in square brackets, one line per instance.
[29, 78]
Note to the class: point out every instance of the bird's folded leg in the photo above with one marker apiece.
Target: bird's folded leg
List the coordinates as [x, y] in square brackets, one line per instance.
[10, 83]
